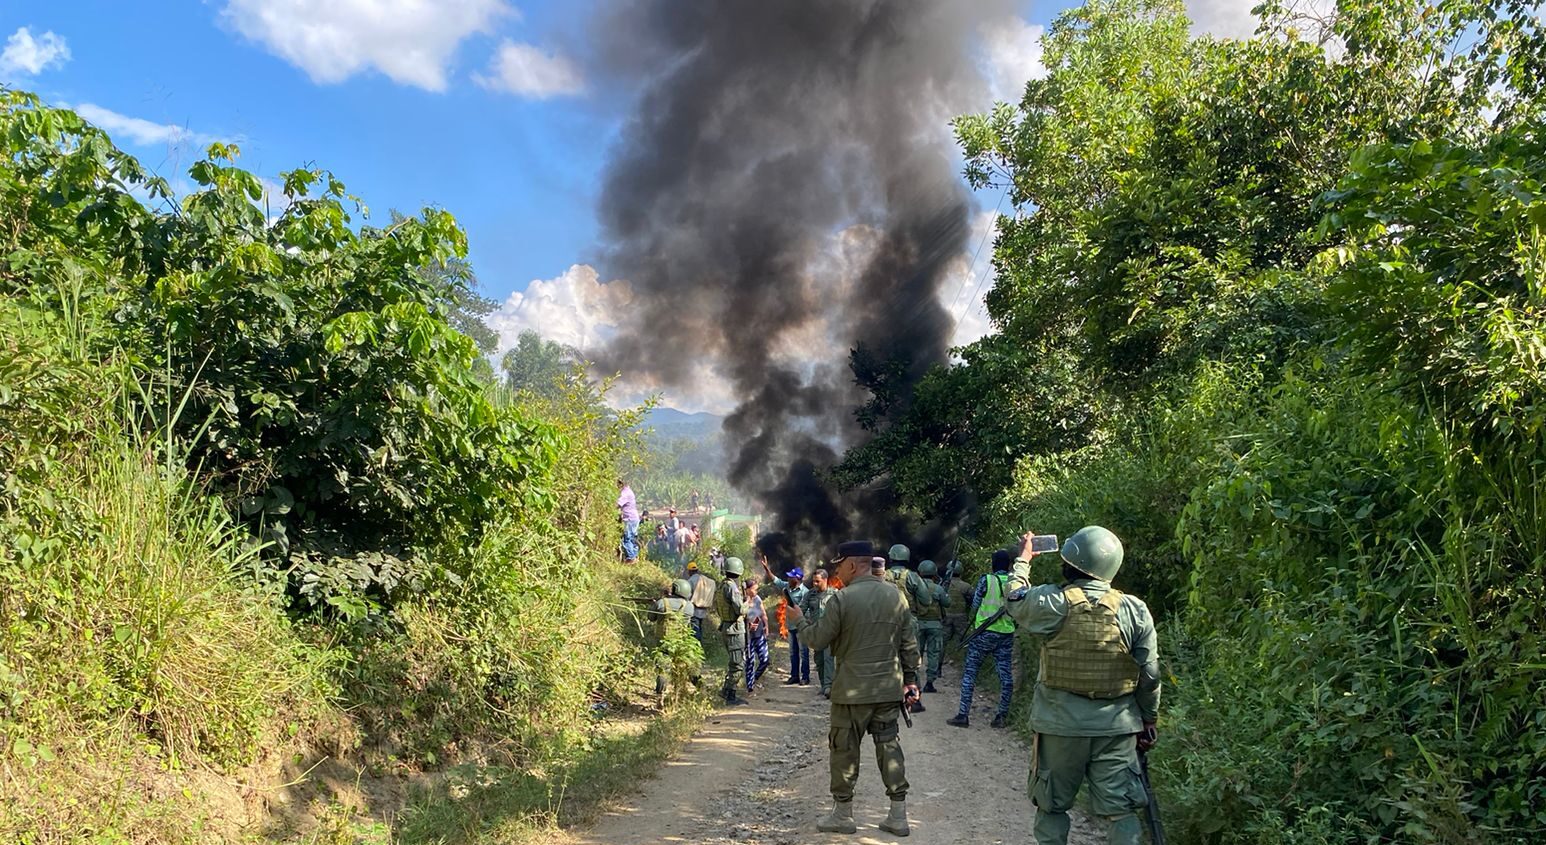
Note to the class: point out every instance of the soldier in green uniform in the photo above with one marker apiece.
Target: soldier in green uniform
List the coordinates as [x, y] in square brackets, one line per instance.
[899, 572]
[929, 616]
[813, 605]
[1097, 694]
[731, 609]
[674, 608]
[868, 629]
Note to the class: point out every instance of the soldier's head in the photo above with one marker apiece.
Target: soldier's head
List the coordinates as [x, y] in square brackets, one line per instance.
[681, 589]
[853, 559]
[1093, 552]
[928, 570]
[1003, 560]
[819, 580]
[899, 555]
[878, 566]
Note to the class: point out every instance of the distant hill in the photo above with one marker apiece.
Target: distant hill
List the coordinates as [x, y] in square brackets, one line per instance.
[671, 424]
[699, 433]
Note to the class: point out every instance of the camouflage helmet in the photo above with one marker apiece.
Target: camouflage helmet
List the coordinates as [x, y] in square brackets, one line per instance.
[681, 589]
[1095, 552]
[734, 566]
[899, 552]
[927, 569]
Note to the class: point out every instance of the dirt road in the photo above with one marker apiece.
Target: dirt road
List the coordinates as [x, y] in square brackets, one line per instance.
[758, 774]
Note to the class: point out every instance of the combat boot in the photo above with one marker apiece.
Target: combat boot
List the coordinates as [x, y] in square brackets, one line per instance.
[896, 821]
[999, 720]
[929, 687]
[733, 700]
[841, 820]
[959, 721]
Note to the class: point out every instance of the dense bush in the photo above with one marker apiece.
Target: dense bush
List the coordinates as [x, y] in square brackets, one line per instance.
[249, 471]
[1271, 311]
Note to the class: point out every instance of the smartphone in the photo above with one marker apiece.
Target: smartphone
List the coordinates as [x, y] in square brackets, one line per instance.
[1043, 543]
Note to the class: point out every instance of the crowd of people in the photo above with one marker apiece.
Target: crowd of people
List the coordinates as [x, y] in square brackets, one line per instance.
[675, 537]
[874, 630]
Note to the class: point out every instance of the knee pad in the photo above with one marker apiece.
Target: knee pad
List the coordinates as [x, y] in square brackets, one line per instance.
[884, 732]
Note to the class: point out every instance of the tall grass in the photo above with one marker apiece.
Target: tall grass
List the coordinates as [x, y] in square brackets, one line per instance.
[126, 647]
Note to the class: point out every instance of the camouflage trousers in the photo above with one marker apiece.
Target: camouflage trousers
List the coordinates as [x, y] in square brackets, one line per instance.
[1002, 648]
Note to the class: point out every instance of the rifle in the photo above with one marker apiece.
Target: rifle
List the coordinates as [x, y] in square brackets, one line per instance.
[987, 623]
[1156, 828]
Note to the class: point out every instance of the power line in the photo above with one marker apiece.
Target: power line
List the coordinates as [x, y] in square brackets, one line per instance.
[988, 271]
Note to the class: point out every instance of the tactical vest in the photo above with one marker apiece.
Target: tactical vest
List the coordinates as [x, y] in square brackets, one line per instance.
[730, 619]
[992, 602]
[898, 576]
[930, 609]
[1087, 655]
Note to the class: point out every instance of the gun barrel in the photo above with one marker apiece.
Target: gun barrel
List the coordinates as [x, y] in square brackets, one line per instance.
[1156, 827]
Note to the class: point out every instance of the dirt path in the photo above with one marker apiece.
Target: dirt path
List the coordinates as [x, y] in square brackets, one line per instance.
[758, 775]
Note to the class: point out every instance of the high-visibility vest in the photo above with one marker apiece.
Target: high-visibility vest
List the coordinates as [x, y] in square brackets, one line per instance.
[1087, 655]
[992, 602]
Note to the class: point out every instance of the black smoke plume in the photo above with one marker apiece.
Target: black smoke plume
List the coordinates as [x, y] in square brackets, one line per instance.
[771, 142]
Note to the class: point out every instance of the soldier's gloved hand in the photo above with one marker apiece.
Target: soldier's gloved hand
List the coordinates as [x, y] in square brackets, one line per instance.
[1148, 737]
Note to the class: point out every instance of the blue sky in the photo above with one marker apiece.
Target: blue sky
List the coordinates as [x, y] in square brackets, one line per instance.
[518, 172]
[478, 106]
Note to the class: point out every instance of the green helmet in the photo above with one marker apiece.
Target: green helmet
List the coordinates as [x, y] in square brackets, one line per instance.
[927, 569]
[899, 553]
[1095, 552]
[681, 589]
[734, 566]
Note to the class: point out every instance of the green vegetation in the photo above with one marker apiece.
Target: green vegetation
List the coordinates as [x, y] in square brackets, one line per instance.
[1271, 309]
[261, 505]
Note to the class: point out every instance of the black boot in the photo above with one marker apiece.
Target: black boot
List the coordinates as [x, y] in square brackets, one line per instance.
[733, 700]
[999, 720]
[959, 721]
[929, 687]
[918, 707]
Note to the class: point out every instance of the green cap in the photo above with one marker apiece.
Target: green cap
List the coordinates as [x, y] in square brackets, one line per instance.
[681, 589]
[1095, 552]
[899, 552]
[734, 566]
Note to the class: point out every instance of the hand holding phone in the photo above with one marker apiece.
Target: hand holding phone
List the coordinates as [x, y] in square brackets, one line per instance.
[1032, 544]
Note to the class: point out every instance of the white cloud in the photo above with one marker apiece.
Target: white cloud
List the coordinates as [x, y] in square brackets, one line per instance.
[139, 130]
[576, 309]
[526, 71]
[1223, 18]
[411, 42]
[28, 56]
[1013, 54]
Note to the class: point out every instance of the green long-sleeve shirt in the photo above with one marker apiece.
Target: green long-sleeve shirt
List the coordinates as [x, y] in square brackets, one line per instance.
[867, 628]
[1040, 611]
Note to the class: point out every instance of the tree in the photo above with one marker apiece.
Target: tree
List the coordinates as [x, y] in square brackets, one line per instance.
[542, 367]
